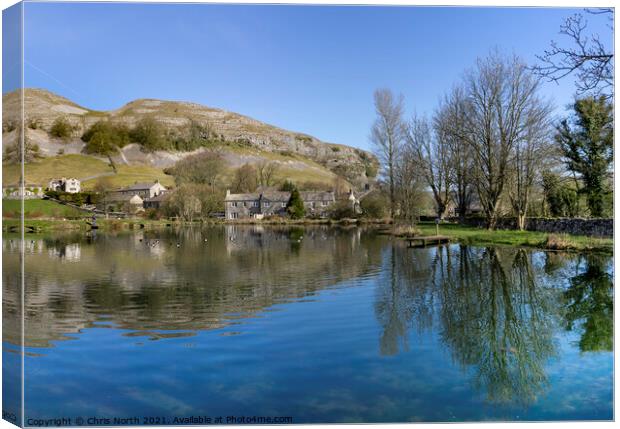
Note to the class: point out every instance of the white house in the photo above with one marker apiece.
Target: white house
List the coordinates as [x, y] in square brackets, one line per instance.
[71, 185]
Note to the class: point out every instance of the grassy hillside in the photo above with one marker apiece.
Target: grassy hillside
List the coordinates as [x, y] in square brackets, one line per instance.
[82, 166]
[165, 129]
[39, 209]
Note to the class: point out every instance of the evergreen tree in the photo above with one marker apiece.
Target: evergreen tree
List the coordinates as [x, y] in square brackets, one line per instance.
[295, 205]
[587, 144]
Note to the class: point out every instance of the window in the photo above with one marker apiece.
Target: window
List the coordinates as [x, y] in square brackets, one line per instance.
[254, 203]
[265, 205]
[234, 215]
[233, 204]
[324, 203]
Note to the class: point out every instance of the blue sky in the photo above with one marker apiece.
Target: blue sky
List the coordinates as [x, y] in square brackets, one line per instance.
[311, 69]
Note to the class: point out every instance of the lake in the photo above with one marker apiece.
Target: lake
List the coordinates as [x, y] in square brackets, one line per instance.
[316, 324]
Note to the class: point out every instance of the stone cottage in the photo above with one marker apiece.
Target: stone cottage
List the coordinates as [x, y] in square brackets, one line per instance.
[143, 190]
[118, 202]
[273, 203]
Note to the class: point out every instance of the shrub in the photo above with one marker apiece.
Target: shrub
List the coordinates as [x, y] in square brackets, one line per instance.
[557, 242]
[61, 128]
[34, 124]
[287, 186]
[295, 205]
[8, 126]
[405, 231]
[374, 206]
[150, 134]
[342, 210]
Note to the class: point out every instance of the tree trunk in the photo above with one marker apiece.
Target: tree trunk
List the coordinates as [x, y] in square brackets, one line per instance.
[491, 221]
[521, 221]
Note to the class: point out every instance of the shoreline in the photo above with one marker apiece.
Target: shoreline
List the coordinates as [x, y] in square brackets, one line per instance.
[456, 232]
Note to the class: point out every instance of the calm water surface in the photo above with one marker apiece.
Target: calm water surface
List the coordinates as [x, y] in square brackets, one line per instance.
[320, 324]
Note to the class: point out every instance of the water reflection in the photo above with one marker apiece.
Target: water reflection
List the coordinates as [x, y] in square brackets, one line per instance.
[589, 304]
[494, 310]
[190, 279]
[467, 321]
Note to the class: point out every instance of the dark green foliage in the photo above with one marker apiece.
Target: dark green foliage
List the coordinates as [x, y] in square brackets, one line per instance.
[586, 142]
[61, 128]
[295, 205]
[561, 198]
[590, 304]
[79, 198]
[195, 136]
[105, 138]
[287, 186]
[150, 134]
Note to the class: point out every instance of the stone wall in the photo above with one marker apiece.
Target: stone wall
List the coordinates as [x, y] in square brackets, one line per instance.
[578, 226]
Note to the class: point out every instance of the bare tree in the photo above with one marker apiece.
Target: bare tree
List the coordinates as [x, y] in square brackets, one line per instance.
[266, 171]
[588, 57]
[431, 154]
[202, 168]
[450, 121]
[530, 155]
[245, 179]
[409, 184]
[387, 135]
[502, 101]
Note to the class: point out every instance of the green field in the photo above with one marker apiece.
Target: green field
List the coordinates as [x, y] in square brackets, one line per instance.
[471, 235]
[34, 209]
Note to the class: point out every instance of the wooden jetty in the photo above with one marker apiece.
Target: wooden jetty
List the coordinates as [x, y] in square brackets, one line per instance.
[428, 240]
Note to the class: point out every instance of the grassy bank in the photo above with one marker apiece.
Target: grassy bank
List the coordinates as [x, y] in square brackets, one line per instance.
[39, 209]
[542, 240]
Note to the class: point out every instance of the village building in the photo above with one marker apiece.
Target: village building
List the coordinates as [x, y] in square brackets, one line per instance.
[155, 202]
[119, 202]
[29, 192]
[143, 190]
[71, 185]
[273, 203]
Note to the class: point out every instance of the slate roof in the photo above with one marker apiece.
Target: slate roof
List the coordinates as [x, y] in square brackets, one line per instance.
[241, 197]
[276, 196]
[317, 195]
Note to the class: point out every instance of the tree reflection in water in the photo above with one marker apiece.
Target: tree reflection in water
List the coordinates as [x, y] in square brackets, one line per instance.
[590, 306]
[495, 310]
[498, 320]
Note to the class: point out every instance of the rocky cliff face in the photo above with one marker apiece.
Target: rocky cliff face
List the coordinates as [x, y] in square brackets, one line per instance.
[42, 108]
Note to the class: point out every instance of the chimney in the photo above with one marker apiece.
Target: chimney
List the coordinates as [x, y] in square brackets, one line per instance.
[227, 192]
